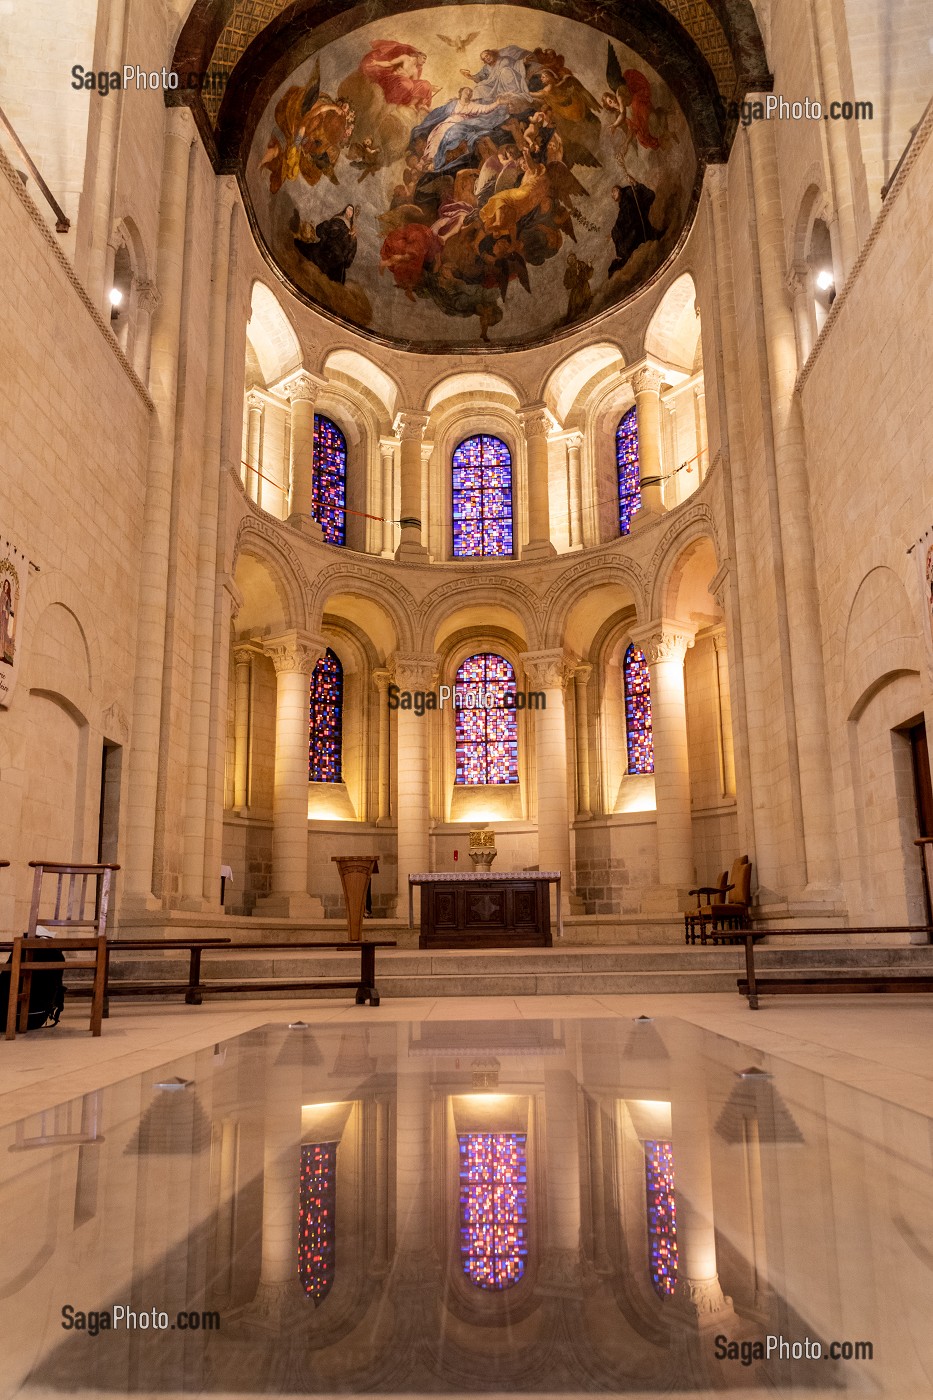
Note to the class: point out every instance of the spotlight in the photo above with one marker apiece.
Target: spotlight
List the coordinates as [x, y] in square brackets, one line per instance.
[824, 280]
[116, 296]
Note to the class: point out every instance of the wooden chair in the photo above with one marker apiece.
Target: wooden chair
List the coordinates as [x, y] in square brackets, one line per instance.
[81, 901]
[696, 923]
[731, 916]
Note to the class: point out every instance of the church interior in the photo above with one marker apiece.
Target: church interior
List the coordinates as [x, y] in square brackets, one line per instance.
[470, 741]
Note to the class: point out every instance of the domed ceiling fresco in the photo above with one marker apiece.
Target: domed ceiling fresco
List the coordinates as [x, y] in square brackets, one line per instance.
[480, 176]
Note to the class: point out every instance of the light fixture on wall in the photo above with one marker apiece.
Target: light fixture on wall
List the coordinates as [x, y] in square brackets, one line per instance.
[824, 280]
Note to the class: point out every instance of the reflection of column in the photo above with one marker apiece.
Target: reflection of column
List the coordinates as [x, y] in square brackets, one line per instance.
[806, 681]
[243, 665]
[665, 646]
[536, 424]
[409, 429]
[281, 1169]
[581, 717]
[294, 656]
[412, 1157]
[302, 390]
[383, 795]
[574, 443]
[563, 1160]
[387, 460]
[726, 749]
[647, 386]
[547, 671]
[412, 673]
[255, 405]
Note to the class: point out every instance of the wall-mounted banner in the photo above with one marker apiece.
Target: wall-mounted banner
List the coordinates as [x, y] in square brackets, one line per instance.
[14, 578]
[923, 553]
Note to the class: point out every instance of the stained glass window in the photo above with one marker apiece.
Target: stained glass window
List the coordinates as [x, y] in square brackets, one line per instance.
[325, 721]
[627, 465]
[329, 490]
[317, 1196]
[493, 1208]
[486, 726]
[662, 1216]
[637, 685]
[482, 497]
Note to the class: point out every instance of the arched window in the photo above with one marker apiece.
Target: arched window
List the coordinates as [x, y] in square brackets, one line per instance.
[493, 1208]
[325, 721]
[329, 490]
[662, 1217]
[627, 466]
[317, 1198]
[637, 684]
[485, 721]
[482, 498]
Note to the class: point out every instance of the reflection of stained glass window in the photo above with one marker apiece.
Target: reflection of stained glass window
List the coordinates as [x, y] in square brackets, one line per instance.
[637, 683]
[325, 726]
[493, 1208]
[329, 492]
[662, 1216]
[317, 1195]
[486, 731]
[482, 497]
[627, 464]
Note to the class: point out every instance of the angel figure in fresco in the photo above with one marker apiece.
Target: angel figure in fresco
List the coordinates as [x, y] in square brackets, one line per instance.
[396, 69]
[630, 99]
[574, 110]
[313, 129]
[7, 642]
[364, 157]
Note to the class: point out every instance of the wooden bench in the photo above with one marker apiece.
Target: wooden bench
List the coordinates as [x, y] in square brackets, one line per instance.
[364, 985]
[831, 981]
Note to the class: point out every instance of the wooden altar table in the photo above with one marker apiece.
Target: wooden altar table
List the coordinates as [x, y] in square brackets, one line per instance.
[485, 909]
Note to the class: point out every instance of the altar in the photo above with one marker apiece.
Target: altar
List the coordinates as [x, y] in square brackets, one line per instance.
[485, 910]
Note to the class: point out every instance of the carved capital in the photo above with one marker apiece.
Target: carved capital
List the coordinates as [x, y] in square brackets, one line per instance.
[243, 655]
[548, 669]
[536, 421]
[410, 425]
[295, 653]
[148, 297]
[414, 672]
[255, 401]
[381, 680]
[302, 387]
[387, 450]
[574, 440]
[797, 278]
[663, 641]
[581, 675]
[702, 1297]
[647, 380]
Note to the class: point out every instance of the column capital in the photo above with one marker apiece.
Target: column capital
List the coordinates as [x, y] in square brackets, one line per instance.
[295, 652]
[414, 672]
[148, 296]
[718, 585]
[535, 420]
[255, 401]
[550, 669]
[179, 122]
[302, 387]
[410, 425]
[381, 680]
[574, 439]
[581, 674]
[797, 278]
[243, 653]
[663, 641]
[387, 446]
[647, 380]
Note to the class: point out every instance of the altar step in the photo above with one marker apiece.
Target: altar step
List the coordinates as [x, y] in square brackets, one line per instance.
[535, 972]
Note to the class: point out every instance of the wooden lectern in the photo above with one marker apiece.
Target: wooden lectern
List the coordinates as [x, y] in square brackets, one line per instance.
[355, 875]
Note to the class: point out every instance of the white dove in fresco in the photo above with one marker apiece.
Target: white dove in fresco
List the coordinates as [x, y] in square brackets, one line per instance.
[460, 44]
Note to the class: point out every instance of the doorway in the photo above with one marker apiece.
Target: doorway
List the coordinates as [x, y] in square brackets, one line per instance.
[923, 794]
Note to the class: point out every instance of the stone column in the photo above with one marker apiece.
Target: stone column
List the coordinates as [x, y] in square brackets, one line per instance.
[243, 666]
[294, 657]
[699, 412]
[413, 816]
[665, 645]
[799, 284]
[574, 443]
[807, 683]
[387, 461]
[384, 786]
[147, 303]
[143, 779]
[98, 285]
[302, 391]
[255, 405]
[409, 429]
[647, 386]
[548, 671]
[581, 717]
[536, 424]
[836, 140]
[726, 742]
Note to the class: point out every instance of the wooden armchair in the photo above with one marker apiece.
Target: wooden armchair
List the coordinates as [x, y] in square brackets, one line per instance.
[731, 915]
[697, 922]
[81, 901]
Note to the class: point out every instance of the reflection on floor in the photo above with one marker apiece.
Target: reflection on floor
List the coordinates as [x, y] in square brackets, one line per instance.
[549, 1206]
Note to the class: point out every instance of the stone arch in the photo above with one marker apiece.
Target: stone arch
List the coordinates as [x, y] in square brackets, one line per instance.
[478, 384]
[376, 385]
[695, 525]
[575, 583]
[271, 335]
[485, 590]
[674, 328]
[55, 589]
[880, 641]
[263, 542]
[386, 592]
[578, 374]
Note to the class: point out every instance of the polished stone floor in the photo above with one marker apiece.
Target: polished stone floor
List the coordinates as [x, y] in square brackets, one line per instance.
[499, 1196]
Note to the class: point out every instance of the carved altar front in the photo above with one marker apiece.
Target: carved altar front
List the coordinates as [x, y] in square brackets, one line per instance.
[485, 910]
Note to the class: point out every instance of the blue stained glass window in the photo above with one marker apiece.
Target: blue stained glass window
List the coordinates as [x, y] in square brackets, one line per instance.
[482, 498]
[329, 489]
[627, 464]
[637, 686]
[325, 721]
[493, 1208]
[317, 1198]
[487, 729]
[662, 1217]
